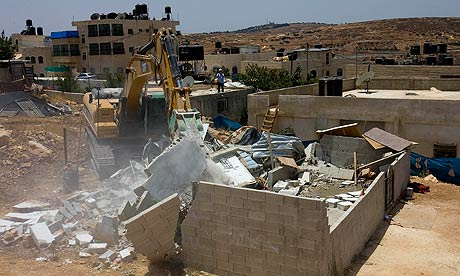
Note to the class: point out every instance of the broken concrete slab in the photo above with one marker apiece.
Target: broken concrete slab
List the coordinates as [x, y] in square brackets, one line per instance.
[355, 193]
[290, 191]
[55, 226]
[83, 238]
[145, 201]
[107, 230]
[42, 235]
[280, 185]
[125, 255]
[69, 207]
[332, 202]
[84, 255]
[278, 173]
[344, 205]
[306, 178]
[337, 173]
[23, 217]
[30, 206]
[65, 213]
[90, 202]
[175, 169]
[69, 227]
[109, 255]
[97, 248]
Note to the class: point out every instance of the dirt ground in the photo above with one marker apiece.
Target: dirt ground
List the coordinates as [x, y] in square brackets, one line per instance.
[422, 239]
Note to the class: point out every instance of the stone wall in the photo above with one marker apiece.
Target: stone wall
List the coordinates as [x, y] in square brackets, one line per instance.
[235, 101]
[398, 71]
[75, 97]
[414, 84]
[237, 231]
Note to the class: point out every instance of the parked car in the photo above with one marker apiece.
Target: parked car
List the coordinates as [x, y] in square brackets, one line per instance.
[85, 76]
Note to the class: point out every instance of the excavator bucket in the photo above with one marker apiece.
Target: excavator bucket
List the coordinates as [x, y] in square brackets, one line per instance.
[186, 123]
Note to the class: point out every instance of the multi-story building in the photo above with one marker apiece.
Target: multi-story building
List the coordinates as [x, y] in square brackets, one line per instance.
[107, 44]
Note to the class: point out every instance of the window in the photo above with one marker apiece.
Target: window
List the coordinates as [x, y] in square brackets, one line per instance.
[147, 30]
[327, 58]
[328, 73]
[65, 50]
[92, 31]
[339, 72]
[131, 49]
[117, 29]
[83, 56]
[83, 69]
[130, 31]
[119, 70]
[105, 49]
[104, 29]
[83, 39]
[140, 30]
[74, 50]
[94, 49]
[27, 58]
[444, 151]
[56, 50]
[32, 60]
[118, 48]
[40, 59]
[313, 74]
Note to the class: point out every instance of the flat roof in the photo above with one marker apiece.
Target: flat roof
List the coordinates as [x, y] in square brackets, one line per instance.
[405, 94]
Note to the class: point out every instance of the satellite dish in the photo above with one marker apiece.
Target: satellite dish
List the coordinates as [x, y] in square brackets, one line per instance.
[366, 77]
[188, 81]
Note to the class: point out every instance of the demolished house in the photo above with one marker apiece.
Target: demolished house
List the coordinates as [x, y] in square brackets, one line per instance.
[263, 204]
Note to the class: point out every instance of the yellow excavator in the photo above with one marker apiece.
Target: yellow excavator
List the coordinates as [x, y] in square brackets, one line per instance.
[140, 114]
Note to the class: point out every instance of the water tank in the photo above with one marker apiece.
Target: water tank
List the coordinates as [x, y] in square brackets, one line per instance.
[280, 52]
[429, 48]
[322, 86]
[103, 16]
[415, 50]
[112, 15]
[121, 15]
[442, 48]
[32, 31]
[167, 9]
[143, 9]
[29, 23]
[129, 16]
[95, 16]
[431, 60]
[218, 44]
[40, 31]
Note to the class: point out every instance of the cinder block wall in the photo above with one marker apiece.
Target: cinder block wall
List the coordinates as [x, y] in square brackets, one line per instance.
[237, 231]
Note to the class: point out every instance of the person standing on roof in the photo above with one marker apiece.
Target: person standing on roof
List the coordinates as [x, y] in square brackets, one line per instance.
[220, 81]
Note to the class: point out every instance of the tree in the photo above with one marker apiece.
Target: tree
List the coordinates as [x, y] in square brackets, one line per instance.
[7, 50]
[114, 80]
[268, 79]
[68, 84]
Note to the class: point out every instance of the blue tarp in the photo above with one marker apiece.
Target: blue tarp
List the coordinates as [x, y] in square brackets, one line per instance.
[444, 169]
[220, 121]
[64, 34]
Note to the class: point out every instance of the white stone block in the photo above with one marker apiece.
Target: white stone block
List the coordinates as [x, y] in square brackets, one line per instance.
[343, 196]
[125, 255]
[332, 202]
[42, 235]
[355, 193]
[98, 248]
[109, 255]
[344, 205]
[279, 186]
[83, 238]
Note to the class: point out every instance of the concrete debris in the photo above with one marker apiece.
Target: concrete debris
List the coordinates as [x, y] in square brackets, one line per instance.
[97, 248]
[72, 242]
[126, 256]
[30, 206]
[83, 238]
[4, 137]
[42, 235]
[280, 185]
[84, 255]
[107, 230]
[41, 259]
[344, 205]
[109, 255]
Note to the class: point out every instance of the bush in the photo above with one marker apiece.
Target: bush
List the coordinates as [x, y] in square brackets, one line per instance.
[114, 80]
[68, 84]
[268, 79]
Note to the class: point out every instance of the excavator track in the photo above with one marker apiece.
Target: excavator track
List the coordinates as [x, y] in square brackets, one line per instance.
[102, 157]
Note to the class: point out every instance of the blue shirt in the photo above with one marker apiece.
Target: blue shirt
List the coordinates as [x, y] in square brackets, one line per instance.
[220, 77]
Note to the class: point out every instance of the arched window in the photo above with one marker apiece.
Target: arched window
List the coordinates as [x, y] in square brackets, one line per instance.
[32, 60]
[27, 58]
[313, 74]
[40, 59]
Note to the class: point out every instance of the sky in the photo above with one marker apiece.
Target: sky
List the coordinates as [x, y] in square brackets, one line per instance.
[212, 15]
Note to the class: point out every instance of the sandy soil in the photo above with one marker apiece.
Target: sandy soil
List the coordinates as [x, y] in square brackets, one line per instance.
[422, 239]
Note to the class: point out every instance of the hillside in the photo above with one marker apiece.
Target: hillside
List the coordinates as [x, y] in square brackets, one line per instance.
[379, 35]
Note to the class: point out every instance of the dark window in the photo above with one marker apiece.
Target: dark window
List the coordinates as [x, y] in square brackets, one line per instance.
[40, 59]
[32, 60]
[313, 74]
[130, 31]
[117, 29]
[339, 72]
[104, 29]
[106, 49]
[92, 31]
[56, 50]
[65, 50]
[83, 56]
[42, 75]
[147, 30]
[140, 30]
[222, 105]
[74, 50]
[328, 73]
[27, 58]
[94, 49]
[444, 151]
[131, 49]
[327, 58]
[118, 48]
[83, 69]
[83, 39]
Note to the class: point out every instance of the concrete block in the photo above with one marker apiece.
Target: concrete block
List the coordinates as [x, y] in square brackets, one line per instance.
[256, 215]
[278, 173]
[241, 269]
[259, 196]
[42, 235]
[55, 226]
[65, 213]
[83, 238]
[30, 206]
[344, 205]
[280, 185]
[145, 201]
[84, 255]
[69, 207]
[332, 202]
[343, 196]
[97, 248]
[355, 193]
[306, 178]
[69, 227]
[58, 235]
[125, 255]
[109, 255]
[90, 202]
[290, 191]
